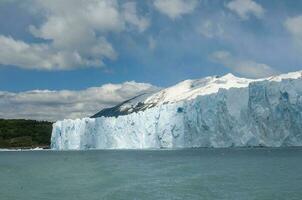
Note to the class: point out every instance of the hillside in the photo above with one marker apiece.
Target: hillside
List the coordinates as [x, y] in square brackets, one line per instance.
[20, 133]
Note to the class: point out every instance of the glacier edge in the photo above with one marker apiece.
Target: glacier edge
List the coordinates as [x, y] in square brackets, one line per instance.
[265, 113]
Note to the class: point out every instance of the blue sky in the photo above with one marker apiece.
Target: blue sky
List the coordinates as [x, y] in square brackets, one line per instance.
[77, 44]
[170, 48]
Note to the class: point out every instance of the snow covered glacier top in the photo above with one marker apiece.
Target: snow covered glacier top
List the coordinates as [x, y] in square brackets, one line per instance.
[187, 90]
[190, 89]
[210, 112]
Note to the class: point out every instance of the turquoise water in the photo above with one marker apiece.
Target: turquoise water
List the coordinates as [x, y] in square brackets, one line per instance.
[177, 174]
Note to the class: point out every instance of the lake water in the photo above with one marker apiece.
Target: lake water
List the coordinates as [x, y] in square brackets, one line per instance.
[258, 173]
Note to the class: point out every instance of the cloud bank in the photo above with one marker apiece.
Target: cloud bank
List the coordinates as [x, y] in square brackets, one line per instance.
[57, 105]
[73, 34]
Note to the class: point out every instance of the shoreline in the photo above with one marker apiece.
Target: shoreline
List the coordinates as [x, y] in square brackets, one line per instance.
[142, 150]
[32, 148]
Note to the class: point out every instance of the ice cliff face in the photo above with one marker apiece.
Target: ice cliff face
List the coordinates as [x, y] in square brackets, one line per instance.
[212, 112]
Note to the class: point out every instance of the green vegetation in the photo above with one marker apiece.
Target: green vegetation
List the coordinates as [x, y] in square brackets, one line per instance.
[20, 133]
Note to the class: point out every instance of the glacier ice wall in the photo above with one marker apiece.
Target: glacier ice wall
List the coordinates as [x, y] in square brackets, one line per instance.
[265, 113]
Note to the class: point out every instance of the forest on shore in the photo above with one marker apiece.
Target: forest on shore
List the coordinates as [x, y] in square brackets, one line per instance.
[21, 133]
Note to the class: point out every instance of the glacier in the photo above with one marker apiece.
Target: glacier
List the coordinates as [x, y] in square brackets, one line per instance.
[213, 112]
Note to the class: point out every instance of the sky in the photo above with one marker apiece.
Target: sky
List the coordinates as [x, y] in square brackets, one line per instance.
[71, 58]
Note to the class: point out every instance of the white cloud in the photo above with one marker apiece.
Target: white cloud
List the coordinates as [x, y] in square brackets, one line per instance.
[45, 57]
[245, 8]
[175, 8]
[55, 105]
[131, 16]
[210, 29]
[294, 26]
[74, 32]
[243, 67]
